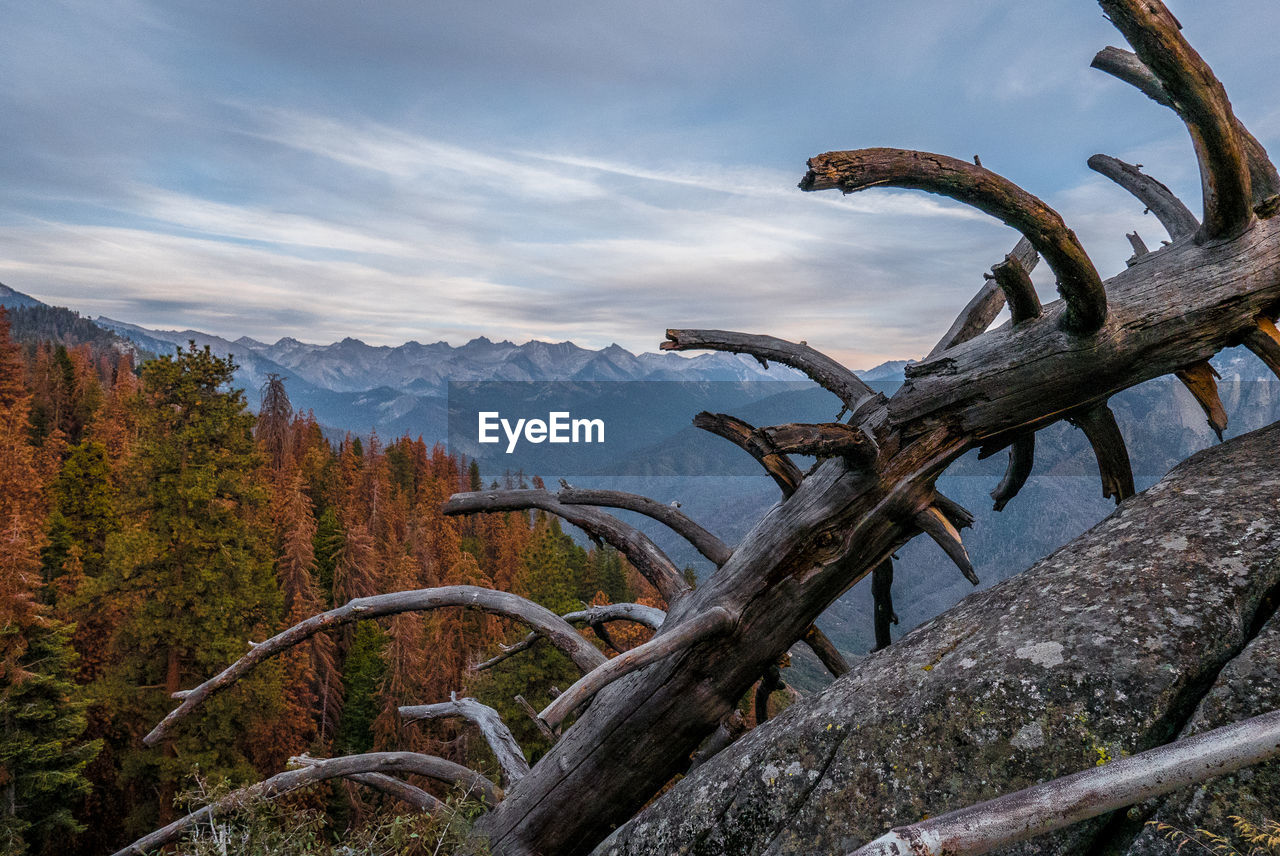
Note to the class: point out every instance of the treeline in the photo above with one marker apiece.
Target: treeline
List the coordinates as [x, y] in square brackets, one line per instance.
[151, 529]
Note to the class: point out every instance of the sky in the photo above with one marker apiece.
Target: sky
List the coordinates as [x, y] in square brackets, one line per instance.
[592, 171]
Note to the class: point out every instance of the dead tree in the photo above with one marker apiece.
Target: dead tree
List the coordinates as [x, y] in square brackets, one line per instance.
[643, 715]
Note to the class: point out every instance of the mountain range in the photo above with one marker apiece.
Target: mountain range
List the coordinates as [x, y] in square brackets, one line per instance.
[353, 386]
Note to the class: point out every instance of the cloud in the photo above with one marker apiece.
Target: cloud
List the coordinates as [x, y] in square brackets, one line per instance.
[588, 171]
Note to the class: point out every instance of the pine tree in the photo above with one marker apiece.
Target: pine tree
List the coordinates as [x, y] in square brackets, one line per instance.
[193, 570]
[42, 756]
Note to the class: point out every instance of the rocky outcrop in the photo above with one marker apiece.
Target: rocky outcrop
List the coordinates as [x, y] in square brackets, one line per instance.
[1248, 686]
[1107, 647]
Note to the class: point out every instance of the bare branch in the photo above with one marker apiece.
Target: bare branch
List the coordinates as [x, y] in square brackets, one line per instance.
[1126, 66]
[556, 629]
[936, 525]
[319, 771]
[1022, 455]
[532, 713]
[1176, 218]
[1139, 246]
[824, 440]
[1019, 292]
[825, 371]
[771, 681]
[882, 595]
[960, 517]
[978, 314]
[1202, 103]
[826, 651]
[730, 729]
[1201, 381]
[391, 786]
[1099, 425]
[714, 622]
[645, 555]
[1078, 280]
[745, 437]
[510, 756]
[1061, 802]
[703, 541]
[1264, 340]
[595, 618]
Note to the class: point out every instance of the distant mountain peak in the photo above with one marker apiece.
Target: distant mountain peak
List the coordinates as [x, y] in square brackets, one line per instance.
[13, 299]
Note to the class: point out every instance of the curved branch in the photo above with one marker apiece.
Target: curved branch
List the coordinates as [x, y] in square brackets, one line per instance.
[645, 555]
[510, 756]
[824, 440]
[825, 371]
[745, 437]
[1078, 280]
[1201, 380]
[1019, 291]
[978, 314]
[595, 618]
[826, 651]
[399, 789]
[937, 526]
[560, 632]
[1022, 456]
[714, 622]
[1099, 426]
[1202, 103]
[318, 771]
[703, 541]
[1126, 66]
[1176, 218]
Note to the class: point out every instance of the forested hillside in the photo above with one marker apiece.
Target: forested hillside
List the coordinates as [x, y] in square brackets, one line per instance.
[153, 529]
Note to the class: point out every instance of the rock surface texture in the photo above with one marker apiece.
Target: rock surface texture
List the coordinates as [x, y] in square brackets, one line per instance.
[1139, 630]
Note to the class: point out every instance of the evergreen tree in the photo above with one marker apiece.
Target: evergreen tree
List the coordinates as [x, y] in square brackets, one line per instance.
[194, 573]
[41, 754]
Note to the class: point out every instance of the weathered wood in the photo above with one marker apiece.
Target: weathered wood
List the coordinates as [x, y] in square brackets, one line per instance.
[1099, 425]
[826, 651]
[826, 372]
[505, 749]
[645, 555]
[558, 631]
[779, 466]
[770, 682]
[1061, 802]
[960, 517]
[399, 789]
[1176, 218]
[823, 439]
[1019, 291]
[1264, 340]
[715, 622]
[1078, 280]
[978, 314]
[937, 526]
[1126, 66]
[1022, 455]
[1139, 246]
[1201, 102]
[730, 729]
[594, 617]
[1201, 381]
[677, 521]
[882, 596]
[318, 771]
[532, 713]
[1194, 302]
